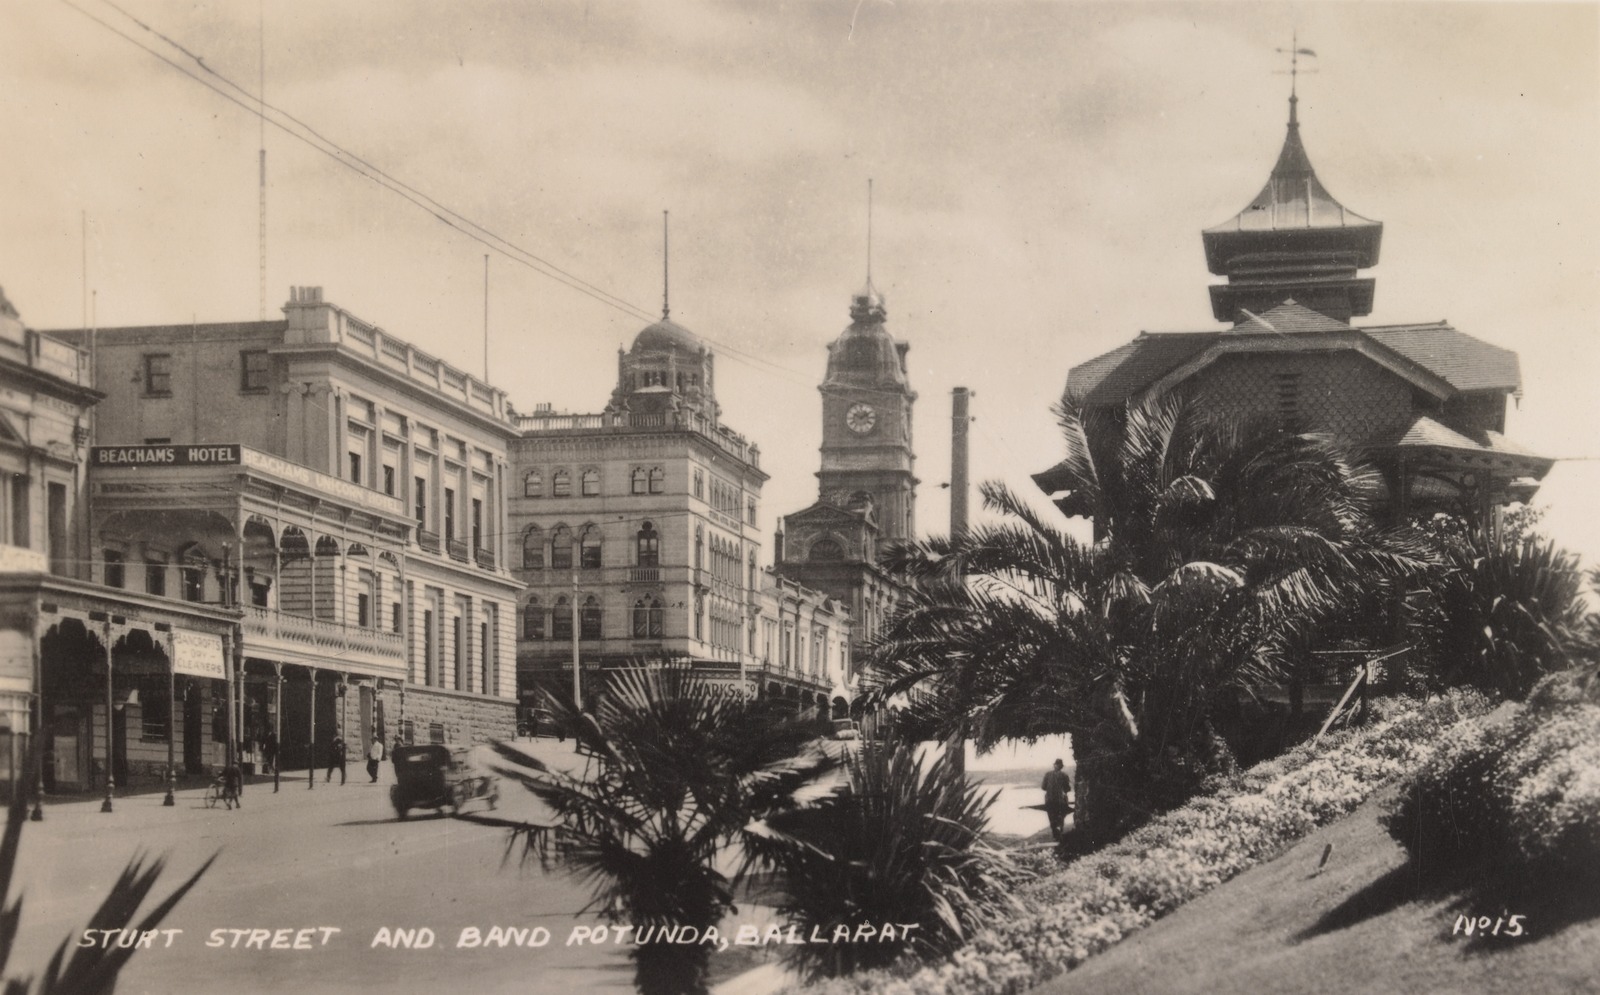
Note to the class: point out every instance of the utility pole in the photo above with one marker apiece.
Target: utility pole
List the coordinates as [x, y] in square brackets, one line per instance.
[577, 680]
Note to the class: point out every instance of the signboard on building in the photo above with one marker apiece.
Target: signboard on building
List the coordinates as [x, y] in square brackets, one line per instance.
[198, 654]
[224, 454]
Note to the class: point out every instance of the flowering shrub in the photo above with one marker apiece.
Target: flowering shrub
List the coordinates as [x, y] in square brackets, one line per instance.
[1521, 795]
[1077, 912]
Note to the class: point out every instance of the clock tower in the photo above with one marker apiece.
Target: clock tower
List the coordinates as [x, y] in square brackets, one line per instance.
[866, 422]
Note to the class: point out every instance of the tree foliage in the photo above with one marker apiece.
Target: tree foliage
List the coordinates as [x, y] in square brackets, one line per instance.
[899, 844]
[674, 773]
[1218, 548]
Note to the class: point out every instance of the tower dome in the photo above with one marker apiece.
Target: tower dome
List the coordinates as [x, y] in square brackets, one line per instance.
[865, 353]
[667, 336]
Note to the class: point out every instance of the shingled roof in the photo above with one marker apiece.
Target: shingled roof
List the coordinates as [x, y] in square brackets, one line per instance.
[1465, 363]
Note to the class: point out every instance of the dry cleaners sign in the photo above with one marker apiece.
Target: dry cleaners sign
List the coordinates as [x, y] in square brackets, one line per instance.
[226, 454]
[198, 654]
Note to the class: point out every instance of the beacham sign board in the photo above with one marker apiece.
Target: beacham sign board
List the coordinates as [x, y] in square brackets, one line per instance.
[198, 654]
[216, 454]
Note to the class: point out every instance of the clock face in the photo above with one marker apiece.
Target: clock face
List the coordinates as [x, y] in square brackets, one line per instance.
[860, 418]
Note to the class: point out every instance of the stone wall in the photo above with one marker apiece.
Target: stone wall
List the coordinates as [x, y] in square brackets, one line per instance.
[464, 719]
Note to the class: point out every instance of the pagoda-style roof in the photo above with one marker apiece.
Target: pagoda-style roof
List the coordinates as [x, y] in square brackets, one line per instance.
[1443, 360]
[1292, 206]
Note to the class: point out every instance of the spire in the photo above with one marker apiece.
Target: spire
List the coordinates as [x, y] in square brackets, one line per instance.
[666, 310]
[867, 304]
[1293, 239]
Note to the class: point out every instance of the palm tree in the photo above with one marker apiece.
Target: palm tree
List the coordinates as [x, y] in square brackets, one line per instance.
[676, 772]
[899, 843]
[1218, 547]
[1505, 611]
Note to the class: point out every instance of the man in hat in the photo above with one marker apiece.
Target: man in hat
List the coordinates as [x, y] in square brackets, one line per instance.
[1057, 797]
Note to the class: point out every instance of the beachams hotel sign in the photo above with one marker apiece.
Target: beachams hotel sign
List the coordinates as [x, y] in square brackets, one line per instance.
[227, 454]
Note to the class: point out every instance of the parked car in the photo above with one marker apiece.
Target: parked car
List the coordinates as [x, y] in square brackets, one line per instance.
[846, 729]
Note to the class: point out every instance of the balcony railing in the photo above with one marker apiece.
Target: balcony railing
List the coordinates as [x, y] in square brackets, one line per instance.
[719, 435]
[484, 557]
[458, 549]
[320, 633]
[429, 541]
[644, 575]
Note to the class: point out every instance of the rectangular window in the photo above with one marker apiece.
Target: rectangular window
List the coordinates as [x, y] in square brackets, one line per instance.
[20, 522]
[750, 509]
[258, 594]
[254, 367]
[456, 649]
[155, 579]
[449, 513]
[435, 732]
[421, 502]
[561, 551]
[114, 576]
[56, 527]
[409, 732]
[363, 610]
[193, 583]
[388, 480]
[355, 468]
[394, 617]
[158, 374]
[155, 708]
[477, 523]
[427, 647]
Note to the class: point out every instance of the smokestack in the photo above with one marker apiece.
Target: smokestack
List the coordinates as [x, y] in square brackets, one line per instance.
[959, 420]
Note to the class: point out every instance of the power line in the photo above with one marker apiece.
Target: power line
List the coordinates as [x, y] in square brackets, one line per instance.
[255, 103]
[355, 163]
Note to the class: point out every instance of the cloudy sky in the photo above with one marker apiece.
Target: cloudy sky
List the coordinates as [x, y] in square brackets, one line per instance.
[1042, 173]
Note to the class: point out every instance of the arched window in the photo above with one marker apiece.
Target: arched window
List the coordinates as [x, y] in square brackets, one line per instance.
[589, 619]
[591, 482]
[641, 619]
[638, 480]
[699, 485]
[826, 549]
[533, 620]
[561, 620]
[561, 548]
[752, 587]
[655, 618]
[658, 479]
[699, 615]
[561, 484]
[533, 484]
[699, 546]
[589, 548]
[649, 542]
[533, 548]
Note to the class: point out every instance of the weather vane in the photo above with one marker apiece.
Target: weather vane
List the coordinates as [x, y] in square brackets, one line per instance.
[1294, 51]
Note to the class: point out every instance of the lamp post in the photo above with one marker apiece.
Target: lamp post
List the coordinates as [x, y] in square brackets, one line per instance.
[172, 710]
[105, 806]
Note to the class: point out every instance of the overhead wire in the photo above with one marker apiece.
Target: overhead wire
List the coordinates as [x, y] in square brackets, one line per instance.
[298, 129]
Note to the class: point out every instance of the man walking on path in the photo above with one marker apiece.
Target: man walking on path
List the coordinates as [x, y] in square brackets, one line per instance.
[1057, 798]
[374, 758]
[336, 758]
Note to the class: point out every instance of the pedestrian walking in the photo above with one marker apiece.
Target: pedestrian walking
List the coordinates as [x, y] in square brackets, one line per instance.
[269, 752]
[232, 780]
[1057, 798]
[374, 758]
[336, 753]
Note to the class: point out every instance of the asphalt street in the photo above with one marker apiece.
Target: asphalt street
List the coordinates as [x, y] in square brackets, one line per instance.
[301, 860]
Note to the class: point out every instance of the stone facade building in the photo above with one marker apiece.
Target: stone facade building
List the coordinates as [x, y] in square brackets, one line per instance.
[339, 491]
[644, 518]
[867, 488]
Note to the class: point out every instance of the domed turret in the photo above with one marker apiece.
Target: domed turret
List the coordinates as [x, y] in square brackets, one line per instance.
[865, 353]
[668, 369]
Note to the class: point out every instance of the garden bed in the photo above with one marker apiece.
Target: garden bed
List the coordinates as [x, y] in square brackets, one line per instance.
[1094, 903]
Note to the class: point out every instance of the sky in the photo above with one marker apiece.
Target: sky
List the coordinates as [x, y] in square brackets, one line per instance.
[1041, 174]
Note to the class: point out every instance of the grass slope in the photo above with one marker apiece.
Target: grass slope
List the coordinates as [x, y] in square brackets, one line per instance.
[1361, 925]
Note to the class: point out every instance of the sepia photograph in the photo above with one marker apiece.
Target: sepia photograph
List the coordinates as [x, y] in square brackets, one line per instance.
[941, 497]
